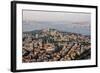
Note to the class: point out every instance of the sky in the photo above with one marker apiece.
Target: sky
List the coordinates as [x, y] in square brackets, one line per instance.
[64, 21]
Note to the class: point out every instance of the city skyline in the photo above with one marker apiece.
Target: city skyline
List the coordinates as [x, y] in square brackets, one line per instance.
[64, 21]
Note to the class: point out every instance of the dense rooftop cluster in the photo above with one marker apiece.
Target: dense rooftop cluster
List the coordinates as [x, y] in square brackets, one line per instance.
[54, 45]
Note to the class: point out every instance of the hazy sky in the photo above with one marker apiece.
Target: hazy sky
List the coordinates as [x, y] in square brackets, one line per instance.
[55, 16]
[33, 20]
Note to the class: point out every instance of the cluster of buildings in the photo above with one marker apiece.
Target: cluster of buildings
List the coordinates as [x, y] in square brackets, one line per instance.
[53, 45]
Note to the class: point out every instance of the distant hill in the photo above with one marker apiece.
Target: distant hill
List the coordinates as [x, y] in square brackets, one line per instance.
[50, 29]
